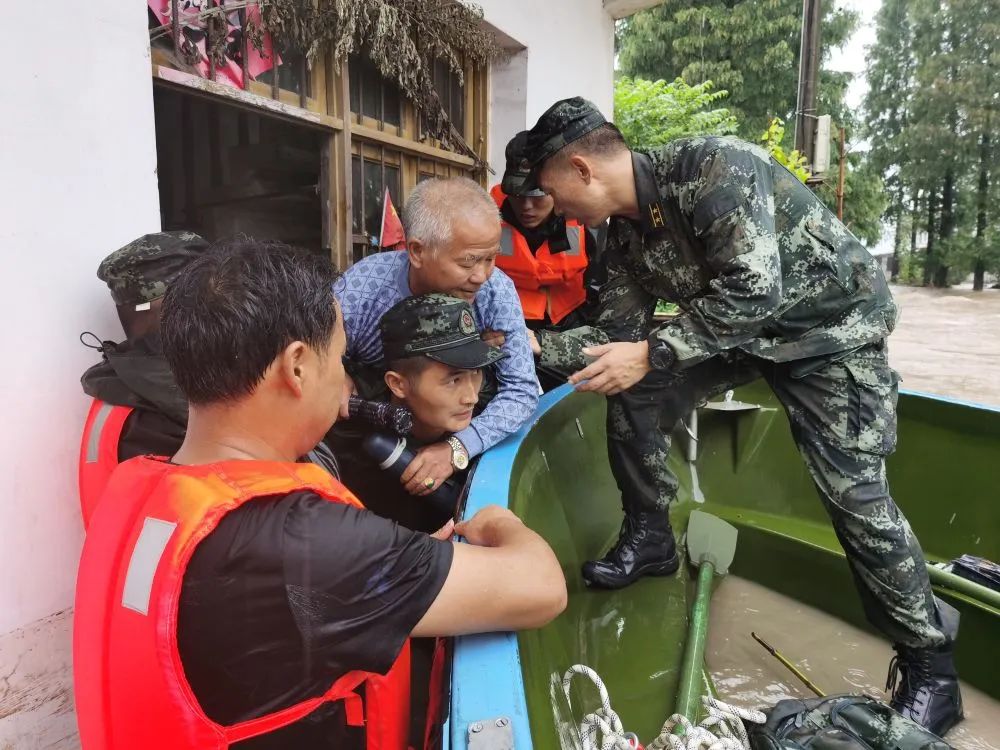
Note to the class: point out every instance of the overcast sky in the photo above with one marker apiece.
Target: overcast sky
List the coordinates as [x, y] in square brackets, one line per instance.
[851, 57]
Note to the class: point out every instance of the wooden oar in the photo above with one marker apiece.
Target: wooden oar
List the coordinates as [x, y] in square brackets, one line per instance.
[711, 545]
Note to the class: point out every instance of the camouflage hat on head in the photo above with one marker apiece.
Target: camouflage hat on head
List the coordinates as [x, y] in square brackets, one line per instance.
[561, 124]
[436, 326]
[143, 269]
[515, 177]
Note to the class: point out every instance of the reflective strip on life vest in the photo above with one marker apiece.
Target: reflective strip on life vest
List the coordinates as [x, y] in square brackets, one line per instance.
[573, 235]
[145, 560]
[96, 428]
[506, 240]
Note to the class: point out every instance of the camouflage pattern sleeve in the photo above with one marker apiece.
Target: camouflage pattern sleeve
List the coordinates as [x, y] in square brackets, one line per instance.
[624, 313]
[732, 214]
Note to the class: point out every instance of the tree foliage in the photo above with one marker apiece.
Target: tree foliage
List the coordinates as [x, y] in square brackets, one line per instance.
[747, 47]
[651, 113]
[932, 110]
[750, 48]
[772, 140]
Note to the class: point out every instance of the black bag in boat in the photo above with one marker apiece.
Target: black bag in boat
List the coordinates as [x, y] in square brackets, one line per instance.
[840, 722]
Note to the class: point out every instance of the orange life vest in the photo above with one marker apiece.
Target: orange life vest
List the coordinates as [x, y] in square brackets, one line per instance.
[131, 691]
[99, 452]
[547, 283]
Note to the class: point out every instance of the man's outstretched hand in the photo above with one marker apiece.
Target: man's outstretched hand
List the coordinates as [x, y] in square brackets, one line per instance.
[619, 366]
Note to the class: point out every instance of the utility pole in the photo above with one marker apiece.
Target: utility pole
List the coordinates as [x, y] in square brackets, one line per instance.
[840, 180]
[809, 60]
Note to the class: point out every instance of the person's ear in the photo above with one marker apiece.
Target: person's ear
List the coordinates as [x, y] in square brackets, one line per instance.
[417, 251]
[582, 168]
[397, 384]
[291, 366]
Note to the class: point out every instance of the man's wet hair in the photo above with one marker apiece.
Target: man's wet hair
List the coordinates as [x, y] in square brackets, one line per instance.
[231, 312]
[604, 140]
[410, 367]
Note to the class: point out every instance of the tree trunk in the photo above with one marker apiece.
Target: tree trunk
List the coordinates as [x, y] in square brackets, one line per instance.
[930, 261]
[979, 276]
[947, 228]
[982, 208]
[914, 211]
[897, 242]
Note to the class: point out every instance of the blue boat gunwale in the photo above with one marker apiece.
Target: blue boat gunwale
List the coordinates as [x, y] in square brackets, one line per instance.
[486, 668]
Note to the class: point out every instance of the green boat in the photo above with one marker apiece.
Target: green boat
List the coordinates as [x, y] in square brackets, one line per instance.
[735, 460]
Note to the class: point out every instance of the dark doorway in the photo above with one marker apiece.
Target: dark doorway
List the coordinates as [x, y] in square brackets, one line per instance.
[224, 171]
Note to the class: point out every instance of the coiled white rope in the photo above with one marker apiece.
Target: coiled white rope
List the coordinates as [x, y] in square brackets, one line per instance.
[603, 730]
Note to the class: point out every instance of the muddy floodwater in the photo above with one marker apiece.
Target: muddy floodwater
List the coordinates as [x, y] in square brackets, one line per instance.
[948, 343]
[836, 656]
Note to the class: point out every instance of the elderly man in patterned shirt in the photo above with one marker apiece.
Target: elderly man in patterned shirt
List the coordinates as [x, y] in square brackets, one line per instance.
[452, 239]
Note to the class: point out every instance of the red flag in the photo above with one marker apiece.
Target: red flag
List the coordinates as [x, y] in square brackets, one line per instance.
[391, 234]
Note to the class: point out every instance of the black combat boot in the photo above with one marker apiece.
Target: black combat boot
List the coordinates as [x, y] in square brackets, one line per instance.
[645, 547]
[924, 687]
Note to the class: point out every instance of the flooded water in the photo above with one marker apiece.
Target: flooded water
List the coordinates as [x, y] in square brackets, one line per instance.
[948, 342]
[836, 656]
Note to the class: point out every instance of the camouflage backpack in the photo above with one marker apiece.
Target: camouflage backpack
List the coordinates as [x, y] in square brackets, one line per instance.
[840, 722]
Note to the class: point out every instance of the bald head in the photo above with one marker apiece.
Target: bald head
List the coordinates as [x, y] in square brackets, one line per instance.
[436, 207]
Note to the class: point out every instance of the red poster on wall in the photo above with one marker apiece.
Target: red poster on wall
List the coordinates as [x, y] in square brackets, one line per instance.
[193, 29]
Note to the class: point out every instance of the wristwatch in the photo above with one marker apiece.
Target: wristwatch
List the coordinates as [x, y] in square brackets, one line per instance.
[661, 355]
[459, 456]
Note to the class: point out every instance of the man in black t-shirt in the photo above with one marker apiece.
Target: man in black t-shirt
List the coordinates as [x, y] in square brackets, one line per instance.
[290, 592]
[435, 365]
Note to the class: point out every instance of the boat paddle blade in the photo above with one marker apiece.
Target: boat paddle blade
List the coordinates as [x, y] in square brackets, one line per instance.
[710, 539]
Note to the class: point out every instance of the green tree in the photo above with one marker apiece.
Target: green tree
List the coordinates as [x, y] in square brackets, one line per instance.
[747, 47]
[932, 106]
[888, 111]
[651, 113]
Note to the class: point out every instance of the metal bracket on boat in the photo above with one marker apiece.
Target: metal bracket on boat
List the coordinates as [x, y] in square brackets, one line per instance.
[491, 734]
[728, 404]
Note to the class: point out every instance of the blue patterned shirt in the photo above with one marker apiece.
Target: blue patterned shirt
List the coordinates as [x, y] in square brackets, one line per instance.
[371, 286]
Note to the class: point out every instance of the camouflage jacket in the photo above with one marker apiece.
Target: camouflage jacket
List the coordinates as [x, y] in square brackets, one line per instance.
[751, 256]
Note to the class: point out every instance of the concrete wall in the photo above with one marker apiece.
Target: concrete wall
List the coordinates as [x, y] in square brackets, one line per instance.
[566, 49]
[79, 180]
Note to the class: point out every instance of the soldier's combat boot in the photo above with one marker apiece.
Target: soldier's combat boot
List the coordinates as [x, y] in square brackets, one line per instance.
[645, 547]
[924, 687]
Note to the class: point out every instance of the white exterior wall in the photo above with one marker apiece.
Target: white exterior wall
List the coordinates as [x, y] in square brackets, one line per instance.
[568, 51]
[79, 180]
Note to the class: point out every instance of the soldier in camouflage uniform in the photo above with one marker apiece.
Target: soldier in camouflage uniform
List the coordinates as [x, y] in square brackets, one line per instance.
[134, 373]
[770, 284]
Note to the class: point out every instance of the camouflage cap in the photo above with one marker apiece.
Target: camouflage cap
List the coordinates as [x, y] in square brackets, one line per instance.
[143, 269]
[518, 169]
[564, 122]
[436, 326]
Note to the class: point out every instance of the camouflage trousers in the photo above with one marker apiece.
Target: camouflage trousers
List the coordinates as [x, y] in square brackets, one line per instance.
[843, 419]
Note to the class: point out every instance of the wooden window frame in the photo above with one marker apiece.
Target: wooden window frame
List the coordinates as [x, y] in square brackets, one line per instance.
[328, 109]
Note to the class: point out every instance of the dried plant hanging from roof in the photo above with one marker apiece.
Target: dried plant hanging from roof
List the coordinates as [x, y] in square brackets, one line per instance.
[402, 38]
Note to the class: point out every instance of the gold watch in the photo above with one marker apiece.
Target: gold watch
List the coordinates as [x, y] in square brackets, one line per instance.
[459, 456]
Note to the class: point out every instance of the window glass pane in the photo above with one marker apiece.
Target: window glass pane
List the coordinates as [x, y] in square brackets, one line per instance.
[354, 74]
[457, 111]
[390, 92]
[441, 82]
[373, 197]
[357, 196]
[290, 72]
[371, 93]
[392, 182]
